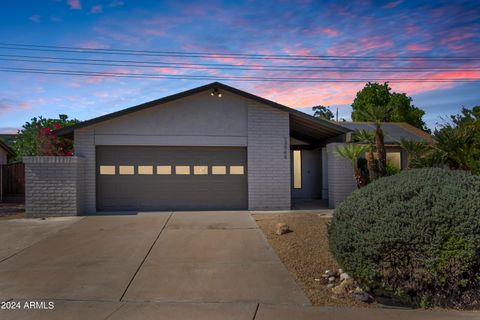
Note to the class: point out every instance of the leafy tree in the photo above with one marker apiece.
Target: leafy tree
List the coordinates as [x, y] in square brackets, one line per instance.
[322, 112]
[352, 152]
[368, 138]
[36, 138]
[380, 95]
[405, 111]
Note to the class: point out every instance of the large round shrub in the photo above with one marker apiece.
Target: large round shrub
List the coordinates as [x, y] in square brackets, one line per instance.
[414, 237]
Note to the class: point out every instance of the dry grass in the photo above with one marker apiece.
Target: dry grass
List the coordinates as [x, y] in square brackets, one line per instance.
[305, 253]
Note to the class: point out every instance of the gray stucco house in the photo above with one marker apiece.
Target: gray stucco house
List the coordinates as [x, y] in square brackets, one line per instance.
[210, 148]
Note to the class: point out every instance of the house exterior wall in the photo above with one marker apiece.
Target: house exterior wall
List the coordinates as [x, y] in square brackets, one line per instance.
[84, 147]
[3, 156]
[52, 186]
[197, 120]
[201, 120]
[340, 176]
[268, 154]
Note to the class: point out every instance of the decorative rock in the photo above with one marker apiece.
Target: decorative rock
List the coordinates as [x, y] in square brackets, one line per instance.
[343, 288]
[361, 296]
[330, 273]
[340, 271]
[316, 279]
[331, 279]
[330, 285]
[344, 276]
[282, 228]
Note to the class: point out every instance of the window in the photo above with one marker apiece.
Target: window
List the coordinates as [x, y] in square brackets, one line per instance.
[395, 159]
[219, 170]
[107, 170]
[199, 170]
[184, 170]
[297, 169]
[145, 169]
[126, 169]
[164, 169]
[236, 170]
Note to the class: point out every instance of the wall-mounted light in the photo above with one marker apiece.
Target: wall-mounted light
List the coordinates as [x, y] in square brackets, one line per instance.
[216, 92]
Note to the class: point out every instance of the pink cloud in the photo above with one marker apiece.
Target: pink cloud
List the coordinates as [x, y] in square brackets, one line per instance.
[330, 32]
[8, 130]
[418, 47]
[360, 46]
[392, 5]
[327, 31]
[75, 4]
[93, 45]
[153, 32]
[96, 9]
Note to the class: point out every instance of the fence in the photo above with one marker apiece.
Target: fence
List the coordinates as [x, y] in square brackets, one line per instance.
[12, 181]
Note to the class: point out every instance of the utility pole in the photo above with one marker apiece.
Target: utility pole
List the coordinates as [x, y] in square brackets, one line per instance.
[337, 114]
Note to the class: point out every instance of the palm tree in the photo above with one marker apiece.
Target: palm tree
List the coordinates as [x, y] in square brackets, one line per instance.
[352, 152]
[415, 150]
[368, 138]
[378, 114]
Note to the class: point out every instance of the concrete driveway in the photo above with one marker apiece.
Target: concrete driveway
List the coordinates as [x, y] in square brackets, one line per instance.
[182, 265]
[165, 257]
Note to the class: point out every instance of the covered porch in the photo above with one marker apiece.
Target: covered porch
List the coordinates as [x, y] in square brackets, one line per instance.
[310, 172]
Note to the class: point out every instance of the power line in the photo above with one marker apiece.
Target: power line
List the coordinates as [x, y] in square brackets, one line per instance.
[211, 55]
[230, 78]
[210, 66]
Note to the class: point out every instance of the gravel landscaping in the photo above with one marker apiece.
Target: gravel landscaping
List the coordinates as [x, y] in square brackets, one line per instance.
[304, 251]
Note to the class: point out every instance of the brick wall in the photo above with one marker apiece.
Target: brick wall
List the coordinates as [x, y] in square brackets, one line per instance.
[53, 186]
[268, 158]
[84, 146]
[340, 176]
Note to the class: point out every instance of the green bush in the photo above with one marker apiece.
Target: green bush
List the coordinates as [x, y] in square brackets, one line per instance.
[413, 237]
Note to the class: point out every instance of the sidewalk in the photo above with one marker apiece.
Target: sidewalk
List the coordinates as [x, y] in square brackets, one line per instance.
[97, 310]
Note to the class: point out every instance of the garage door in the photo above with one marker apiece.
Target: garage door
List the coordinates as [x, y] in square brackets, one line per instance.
[171, 178]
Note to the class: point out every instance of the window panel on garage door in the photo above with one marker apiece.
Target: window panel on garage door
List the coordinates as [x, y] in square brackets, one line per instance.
[170, 186]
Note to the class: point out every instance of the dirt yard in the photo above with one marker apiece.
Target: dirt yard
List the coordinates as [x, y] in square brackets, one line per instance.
[305, 253]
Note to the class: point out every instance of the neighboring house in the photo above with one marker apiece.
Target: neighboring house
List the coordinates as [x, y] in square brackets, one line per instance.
[210, 148]
[5, 152]
[394, 132]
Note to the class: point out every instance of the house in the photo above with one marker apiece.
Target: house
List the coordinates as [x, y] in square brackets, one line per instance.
[210, 148]
[393, 132]
[5, 152]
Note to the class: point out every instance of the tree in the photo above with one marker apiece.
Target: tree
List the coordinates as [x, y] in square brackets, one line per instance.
[378, 113]
[36, 138]
[457, 144]
[380, 94]
[368, 138]
[322, 112]
[352, 152]
[414, 149]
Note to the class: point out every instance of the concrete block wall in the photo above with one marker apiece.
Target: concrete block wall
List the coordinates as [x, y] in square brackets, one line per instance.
[53, 186]
[268, 158]
[84, 146]
[341, 182]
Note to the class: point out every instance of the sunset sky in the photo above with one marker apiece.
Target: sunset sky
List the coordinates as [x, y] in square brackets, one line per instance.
[328, 28]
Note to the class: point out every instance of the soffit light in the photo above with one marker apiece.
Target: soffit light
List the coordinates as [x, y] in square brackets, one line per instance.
[216, 92]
